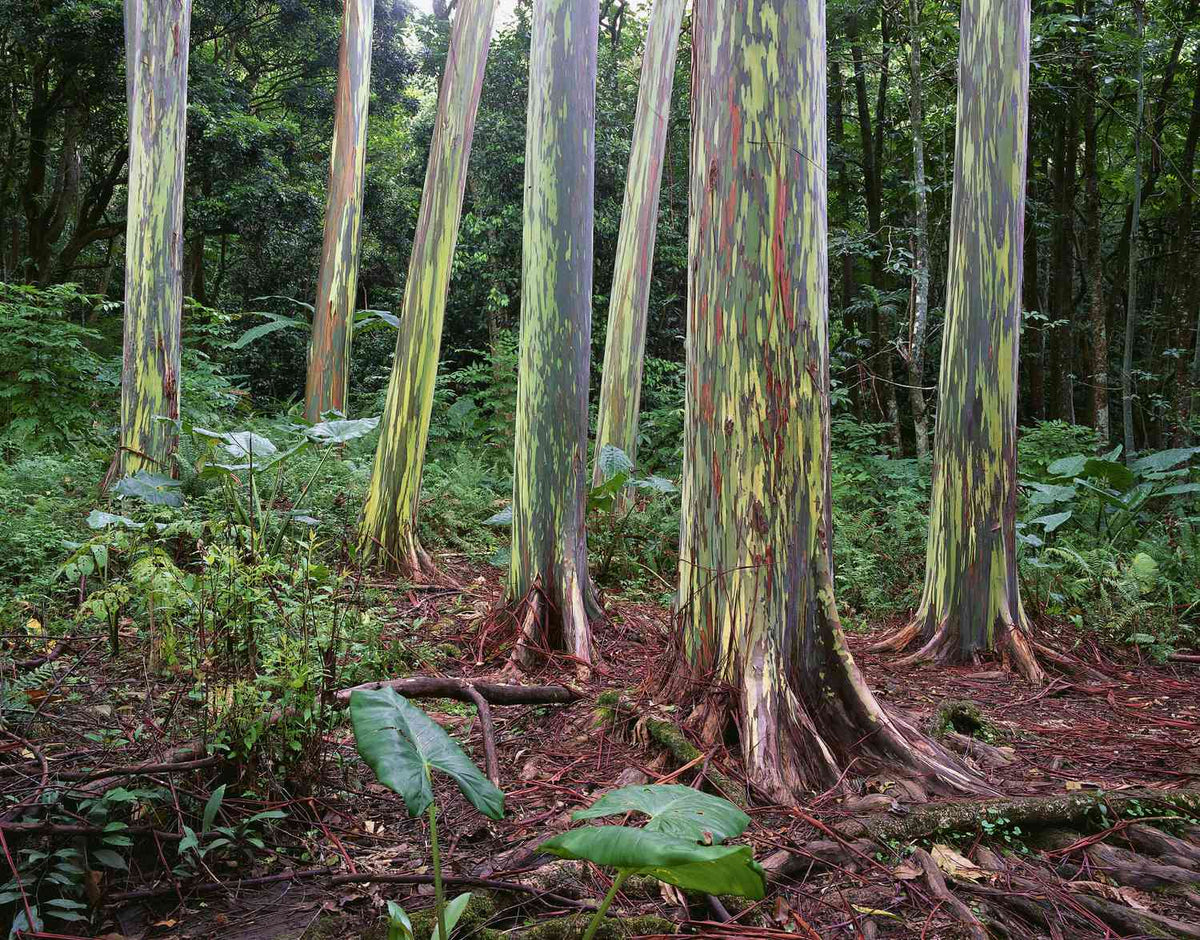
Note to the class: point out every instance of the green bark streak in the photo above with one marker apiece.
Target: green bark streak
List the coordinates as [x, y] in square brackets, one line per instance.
[337, 280]
[549, 539]
[621, 380]
[389, 520]
[971, 601]
[156, 50]
[756, 606]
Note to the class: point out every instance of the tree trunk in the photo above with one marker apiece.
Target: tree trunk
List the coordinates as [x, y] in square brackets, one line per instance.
[621, 380]
[920, 304]
[1095, 262]
[971, 604]
[1061, 394]
[156, 49]
[755, 605]
[846, 280]
[549, 534]
[1134, 223]
[1186, 282]
[337, 279]
[1034, 357]
[389, 523]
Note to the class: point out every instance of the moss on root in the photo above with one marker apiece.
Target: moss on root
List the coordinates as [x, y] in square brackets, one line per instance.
[965, 718]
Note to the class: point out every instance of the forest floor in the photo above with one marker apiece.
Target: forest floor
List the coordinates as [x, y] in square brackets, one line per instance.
[1116, 862]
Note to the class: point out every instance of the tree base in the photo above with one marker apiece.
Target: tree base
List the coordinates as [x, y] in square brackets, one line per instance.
[408, 559]
[940, 643]
[815, 748]
[546, 631]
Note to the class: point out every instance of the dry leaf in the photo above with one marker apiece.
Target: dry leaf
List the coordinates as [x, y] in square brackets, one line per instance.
[907, 871]
[955, 864]
[874, 912]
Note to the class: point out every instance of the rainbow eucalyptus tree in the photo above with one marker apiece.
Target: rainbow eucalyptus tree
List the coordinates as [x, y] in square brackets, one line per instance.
[756, 606]
[971, 604]
[389, 524]
[156, 56]
[621, 380]
[337, 279]
[549, 540]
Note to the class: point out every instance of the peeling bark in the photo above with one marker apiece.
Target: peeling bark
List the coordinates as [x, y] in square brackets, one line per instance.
[156, 49]
[761, 645]
[549, 537]
[337, 280]
[624, 347]
[388, 533]
[971, 604]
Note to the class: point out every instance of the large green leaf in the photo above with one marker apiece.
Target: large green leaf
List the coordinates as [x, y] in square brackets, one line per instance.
[1067, 466]
[343, 431]
[1046, 494]
[713, 869]
[402, 745]
[1115, 474]
[674, 810]
[1164, 459]
[157, 489]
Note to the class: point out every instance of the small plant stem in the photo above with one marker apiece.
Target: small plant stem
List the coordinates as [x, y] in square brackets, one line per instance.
[622, 875]
[438, 894]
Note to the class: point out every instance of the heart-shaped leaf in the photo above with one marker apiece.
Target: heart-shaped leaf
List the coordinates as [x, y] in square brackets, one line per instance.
[403, 745]
[1067, 466]
[674, 810]
[246, 445]
[713, 869]
[1164, 459]
[343, 431]
[153, 488]
[98, 519]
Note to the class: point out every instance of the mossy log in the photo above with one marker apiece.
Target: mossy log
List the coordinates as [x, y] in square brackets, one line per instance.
[1028, 812]
[670, 737]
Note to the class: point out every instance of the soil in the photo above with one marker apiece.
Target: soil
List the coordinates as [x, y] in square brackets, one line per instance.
[1114, 724]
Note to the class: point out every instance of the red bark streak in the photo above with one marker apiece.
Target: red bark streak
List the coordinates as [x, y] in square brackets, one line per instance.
[719, 325]
[706, 403]
[783, 278]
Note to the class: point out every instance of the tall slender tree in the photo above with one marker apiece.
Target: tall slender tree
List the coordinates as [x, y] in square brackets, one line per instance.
[621, 380]
[337, 279]
[549, 539]
[1092, 234]
[1131, 313]
[389, 523]
[156, 56]
[756, 609]
[971, 604]
[920, 287]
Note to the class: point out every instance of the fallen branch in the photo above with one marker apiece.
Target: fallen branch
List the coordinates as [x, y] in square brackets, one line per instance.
[79, 829]
[300, 874]
[134, 770]
[496, 693]
[489, 734]
[1028, 812]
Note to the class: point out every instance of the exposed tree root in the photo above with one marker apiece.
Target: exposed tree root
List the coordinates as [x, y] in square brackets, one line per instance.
[409, 560]
[937, 886]
[940, 642]
[545, 629]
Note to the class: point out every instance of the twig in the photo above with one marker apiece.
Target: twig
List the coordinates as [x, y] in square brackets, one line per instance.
[489, 733]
